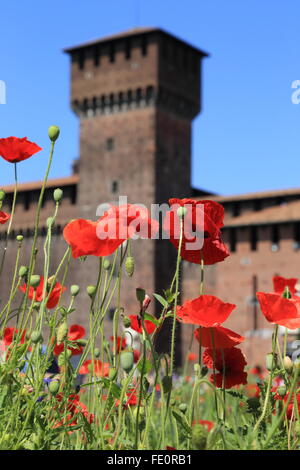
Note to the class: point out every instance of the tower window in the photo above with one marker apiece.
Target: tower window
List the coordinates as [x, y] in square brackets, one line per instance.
[144, 45]
[110, 143]
[96, 56]
[232, 235]
[81, 60]
[296, 243]
[112, 52]
[253, 238]
[114, 186]
[275, 238]
[257, 205]
[128, 49]
[236, 209]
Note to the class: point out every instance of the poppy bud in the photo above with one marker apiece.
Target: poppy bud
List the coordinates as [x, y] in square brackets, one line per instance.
[23, 271]
[271, 361]
[54, 387]
[129, 266]
[91, 290]
[288, 364]
[58, 194]
[199, 437]
[63, 357]
[36, 337]
[53, 133]
[127, 360]
[19, 238]
[62, 332]
[281, 390]
[196, 368]
[167, 383]
[35, 280]
[106, 264]
[97, 352]
[181, 212]
[2, 195]
[126, 322]
[112, 373]
[74, 290]
[146, 302]
[140, 294]
[183, 407]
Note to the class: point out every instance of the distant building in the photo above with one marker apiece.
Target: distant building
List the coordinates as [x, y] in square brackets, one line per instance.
[136, 94]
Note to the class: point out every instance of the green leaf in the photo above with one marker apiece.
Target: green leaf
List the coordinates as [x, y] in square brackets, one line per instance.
[182, 421]
[147, 366]
[161, 300]
[149, 317]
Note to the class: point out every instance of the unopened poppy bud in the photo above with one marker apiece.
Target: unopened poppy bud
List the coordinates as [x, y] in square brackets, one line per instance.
[271, 361]
[91, 290]
[127, 360]
[199, 437]
[129, 266]
[140, 294]
[167, 383]
[183, 407]
[19, 238]
[288, 364]
[287, 293]
[196, 367]
[112, 373]
[35, 280]
[62, 332]
[36, 337]
[23, 271]
[53, 133]
[106, 264]
[281, 390]
[126, 322]
[64, 357]
[74, 290]
[97, 352]
[2, 195]
[54, 387]
[58, 194]
[181, 212]
[146, 302]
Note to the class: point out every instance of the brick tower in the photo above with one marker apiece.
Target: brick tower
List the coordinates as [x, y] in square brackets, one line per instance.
[135, 94]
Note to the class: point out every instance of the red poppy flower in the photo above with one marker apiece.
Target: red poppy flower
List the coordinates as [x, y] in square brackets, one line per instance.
[75, 408]
[117, 225]
[136, 324]
[281, 311]
[192, 357]
[54, 297]
[201, 230]
[14, 149]
[121, 343]
[205, 310]
[234, 362]
[280, 283]
[222, 337]
[204, 422]
[132, 398]
[4, 217]
[9, 335]
[101, 369]
[252, 390]
[75, 332]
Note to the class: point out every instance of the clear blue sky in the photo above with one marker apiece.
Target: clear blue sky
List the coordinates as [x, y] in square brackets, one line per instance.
[247, 137]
